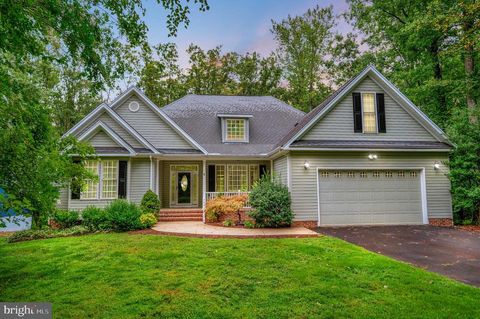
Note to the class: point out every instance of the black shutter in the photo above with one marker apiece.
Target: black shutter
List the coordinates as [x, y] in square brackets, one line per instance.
[122, 179]
[382, 127]
[75, 189]
[263, 170]
[211, 178]
[357, 112]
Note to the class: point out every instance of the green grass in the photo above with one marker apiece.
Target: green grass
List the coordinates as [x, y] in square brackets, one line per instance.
[145, 276]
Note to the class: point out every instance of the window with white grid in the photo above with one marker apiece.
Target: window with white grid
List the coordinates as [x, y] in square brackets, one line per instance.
[254, 175]
[376, 174]
[413, 174]
[237, 178]
[363, 174]
[337, 174]
[90, 189]
[324, 174]
[401, 174]
[351, 174]
[220, 178]
[389, 174]
[109, 179]
[236, 131]
[369, 114]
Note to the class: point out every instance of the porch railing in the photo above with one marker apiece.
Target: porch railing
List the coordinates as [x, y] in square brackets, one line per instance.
[212, 195]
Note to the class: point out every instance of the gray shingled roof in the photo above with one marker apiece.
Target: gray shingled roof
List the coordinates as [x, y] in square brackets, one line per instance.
[271, 120]
[355, 144]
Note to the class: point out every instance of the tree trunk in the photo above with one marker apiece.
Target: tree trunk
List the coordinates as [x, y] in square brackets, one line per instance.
[469, 64]
[438, 75]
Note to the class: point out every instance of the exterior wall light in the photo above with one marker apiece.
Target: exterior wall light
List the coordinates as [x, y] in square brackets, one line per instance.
[372, 157]
[436, 165]
[306, 165]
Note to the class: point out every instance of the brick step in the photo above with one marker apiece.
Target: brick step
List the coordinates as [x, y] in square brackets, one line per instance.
[181, 214]
[179, 219]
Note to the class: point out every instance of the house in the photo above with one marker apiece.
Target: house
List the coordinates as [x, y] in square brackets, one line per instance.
[366, 155]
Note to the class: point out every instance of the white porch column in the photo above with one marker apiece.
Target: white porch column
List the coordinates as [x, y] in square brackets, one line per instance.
[204, 188]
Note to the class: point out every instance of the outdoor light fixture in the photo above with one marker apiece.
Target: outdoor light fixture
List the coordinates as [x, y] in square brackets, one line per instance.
[436, 165]
[372, 156]
[306, 165]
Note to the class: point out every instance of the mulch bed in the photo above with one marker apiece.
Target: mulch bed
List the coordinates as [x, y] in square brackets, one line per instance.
[470, 228]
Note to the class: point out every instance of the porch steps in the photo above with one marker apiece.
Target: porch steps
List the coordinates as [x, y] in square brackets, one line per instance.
[176, 215]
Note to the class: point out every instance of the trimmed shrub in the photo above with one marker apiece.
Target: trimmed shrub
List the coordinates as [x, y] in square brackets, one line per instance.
[217, 207]
[228, 223]
[148, 220]
[65, 219]
[248, 224]
[95, 218]
[270, 201]
[150, 203]
[46, 233]
[123, 215]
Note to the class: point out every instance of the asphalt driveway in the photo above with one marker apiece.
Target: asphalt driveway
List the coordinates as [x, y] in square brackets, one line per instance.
[447, 251]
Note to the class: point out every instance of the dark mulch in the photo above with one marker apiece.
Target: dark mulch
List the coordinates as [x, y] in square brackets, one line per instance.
[472, 228]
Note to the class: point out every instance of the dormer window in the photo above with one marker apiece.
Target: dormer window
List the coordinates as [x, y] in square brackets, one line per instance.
[235, 128]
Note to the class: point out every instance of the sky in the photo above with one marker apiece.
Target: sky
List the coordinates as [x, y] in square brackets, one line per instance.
[238, 25]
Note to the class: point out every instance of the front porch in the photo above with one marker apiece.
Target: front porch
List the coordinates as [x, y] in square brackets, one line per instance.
[185, 186]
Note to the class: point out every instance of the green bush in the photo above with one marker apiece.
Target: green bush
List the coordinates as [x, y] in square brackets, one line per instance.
[123, 215]
[270, 201]
[148, 220]
[150, 203]
[228, 223]
[95, 218]
[65, 219]
[249, 224]
[32, 234]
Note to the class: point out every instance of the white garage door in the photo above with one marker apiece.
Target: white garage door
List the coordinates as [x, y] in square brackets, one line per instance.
[360, 197]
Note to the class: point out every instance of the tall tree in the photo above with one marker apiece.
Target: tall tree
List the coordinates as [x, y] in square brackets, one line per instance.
[91, 33]
[161, 78]
[304, 44]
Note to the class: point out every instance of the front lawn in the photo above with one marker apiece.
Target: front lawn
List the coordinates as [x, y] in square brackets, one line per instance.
[146, 276]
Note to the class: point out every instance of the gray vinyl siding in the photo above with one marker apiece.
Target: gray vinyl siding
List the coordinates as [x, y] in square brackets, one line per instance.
[280, 169]
[139, 178]
[145, 121]
[101, 139]
[164, 180]
[119, 130]
[138, 182]
[304, 182]
[338, 123]
[62, 202]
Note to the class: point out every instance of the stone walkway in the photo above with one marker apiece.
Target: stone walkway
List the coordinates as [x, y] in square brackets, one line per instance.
[199, 229]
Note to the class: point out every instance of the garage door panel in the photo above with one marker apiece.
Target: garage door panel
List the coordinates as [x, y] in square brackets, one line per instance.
[386, 197]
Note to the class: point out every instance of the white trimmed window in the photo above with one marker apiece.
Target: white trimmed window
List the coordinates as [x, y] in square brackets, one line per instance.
[90, 189]
[237, 178]
[220, 178]
[106, 187]
[109, 179]
[369, 113]
[235, 130]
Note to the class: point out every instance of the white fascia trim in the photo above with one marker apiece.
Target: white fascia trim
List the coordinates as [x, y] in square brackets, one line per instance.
[367, 149]
[94, 128]
[130, 130]
[240, 116]
[329, 105]
[85, 120]
[159, 112]
[347, 89]
[405, 99]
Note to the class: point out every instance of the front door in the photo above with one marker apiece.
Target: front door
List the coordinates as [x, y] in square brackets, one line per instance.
[184, 186]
